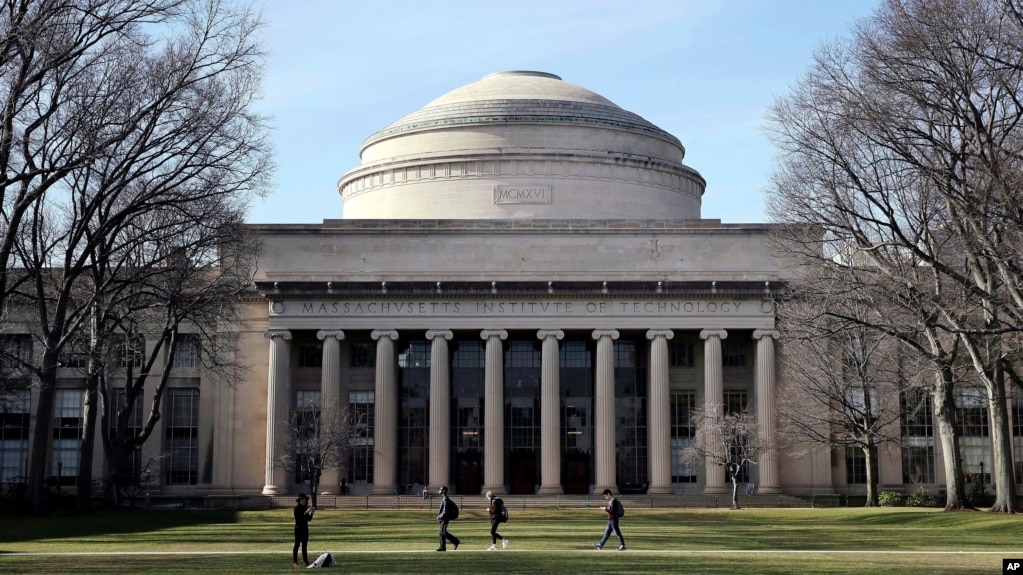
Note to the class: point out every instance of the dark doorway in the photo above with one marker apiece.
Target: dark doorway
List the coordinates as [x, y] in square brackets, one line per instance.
[522, 471]
[469, 472]
[576, 474]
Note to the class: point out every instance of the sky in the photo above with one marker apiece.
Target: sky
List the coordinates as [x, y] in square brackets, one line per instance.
[706, 71]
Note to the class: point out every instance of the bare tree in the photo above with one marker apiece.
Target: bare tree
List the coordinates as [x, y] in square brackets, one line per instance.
[731, 440]
[843, 385]
[902, 147]
[318, 440]
[150, 130]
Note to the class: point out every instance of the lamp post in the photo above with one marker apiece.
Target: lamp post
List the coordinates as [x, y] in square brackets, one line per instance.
[60, 475]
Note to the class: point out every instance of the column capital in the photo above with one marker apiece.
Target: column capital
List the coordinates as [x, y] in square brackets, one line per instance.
[282, 333]
[665, 333]
[331, 333]
[435, 333]
[772, 333]
[546, 333]
[489, 333]
[599, 333]
[708, 333]
[388, 333]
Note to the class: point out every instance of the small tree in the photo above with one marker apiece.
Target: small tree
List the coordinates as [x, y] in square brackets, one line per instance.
[731, 440]
[317, 441]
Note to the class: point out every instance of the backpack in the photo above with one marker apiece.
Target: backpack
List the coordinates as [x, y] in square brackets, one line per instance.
[450, 510]
[325, 560]
[502, 511]
[618, 508]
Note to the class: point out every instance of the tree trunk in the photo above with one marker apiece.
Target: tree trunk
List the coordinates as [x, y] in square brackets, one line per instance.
[1001, 441]
[83, 500]
[944, 412]
[35, 490]
[870, 458]
[735, 486]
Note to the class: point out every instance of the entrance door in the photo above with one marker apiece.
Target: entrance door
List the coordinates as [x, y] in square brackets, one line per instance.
[523, 471]
[469, 472]
[576, 474]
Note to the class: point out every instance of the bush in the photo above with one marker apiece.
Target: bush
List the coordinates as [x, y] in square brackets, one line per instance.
[890, 499]
[975, 493]
[922, 498]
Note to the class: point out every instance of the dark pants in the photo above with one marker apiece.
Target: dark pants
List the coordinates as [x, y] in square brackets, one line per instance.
[445, 536]
[494, 535]
[612, 526]
[301, 538]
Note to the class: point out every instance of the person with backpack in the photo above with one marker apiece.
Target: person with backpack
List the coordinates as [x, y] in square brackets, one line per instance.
[615, 510]
[498, 515]
[448, 512]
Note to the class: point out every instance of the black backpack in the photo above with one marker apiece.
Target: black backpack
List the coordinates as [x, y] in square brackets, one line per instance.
[619, 509]
[502, 511]
[450, 510]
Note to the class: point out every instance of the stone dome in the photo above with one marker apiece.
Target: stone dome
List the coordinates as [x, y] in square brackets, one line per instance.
[521, 144]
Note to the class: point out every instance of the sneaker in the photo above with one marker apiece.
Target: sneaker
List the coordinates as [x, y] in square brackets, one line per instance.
[492, 548]
[622, 548]
[504, 544]
[441, 549]
[598, 546]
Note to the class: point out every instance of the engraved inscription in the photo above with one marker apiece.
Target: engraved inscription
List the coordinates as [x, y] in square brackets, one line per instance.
[522, 194]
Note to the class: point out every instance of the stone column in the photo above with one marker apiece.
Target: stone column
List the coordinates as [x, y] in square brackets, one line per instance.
[278, 391]
[713, 399]
[768, 468]
[604, 412]
[493, 412]
[330, 399]
[659, 412]
[385, 414]
[440, 408]
[550, 412]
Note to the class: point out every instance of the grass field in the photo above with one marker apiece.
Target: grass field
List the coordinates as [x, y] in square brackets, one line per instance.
[761, 541]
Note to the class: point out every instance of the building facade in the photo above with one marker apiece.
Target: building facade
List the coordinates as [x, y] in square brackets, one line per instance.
[522, 296]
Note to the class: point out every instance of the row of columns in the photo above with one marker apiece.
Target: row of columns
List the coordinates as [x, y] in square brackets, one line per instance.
[387, 393]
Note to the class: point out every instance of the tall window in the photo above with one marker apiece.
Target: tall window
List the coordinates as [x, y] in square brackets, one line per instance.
[630, 412]
[918, 464]
[682, 435]
[576, 375]
[680, 353]
[131, 469]
[307, 414]
[67, 434]
[855, 466]
[310, 354]
[360, 455]
[971, 412]
[181, 436]
[14, 417]
[917, 414]
[1017, 416]
[733, 354]
[129, 351]
[414, 422]
[737, 401]
[15, 352]
[187, 350]
[364, 355]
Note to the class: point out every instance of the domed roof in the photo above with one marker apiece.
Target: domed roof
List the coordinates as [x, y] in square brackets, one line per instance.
[521, 85]
[521, 97]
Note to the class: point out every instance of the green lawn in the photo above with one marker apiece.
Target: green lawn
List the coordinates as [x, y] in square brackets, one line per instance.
[763, 541]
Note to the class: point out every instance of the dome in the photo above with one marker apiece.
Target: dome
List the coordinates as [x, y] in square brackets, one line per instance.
[521, 144]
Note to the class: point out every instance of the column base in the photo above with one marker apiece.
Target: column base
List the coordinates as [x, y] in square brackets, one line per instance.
[660, 490]
[599, 489]
[551, 490]
[768, 490]
[271, 490]
[498, 489]
[383, 490]
[717, 490]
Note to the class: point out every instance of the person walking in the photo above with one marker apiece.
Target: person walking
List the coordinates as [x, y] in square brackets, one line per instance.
[498, 515]
[614, 510]
[446, 513]
[303, 515]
